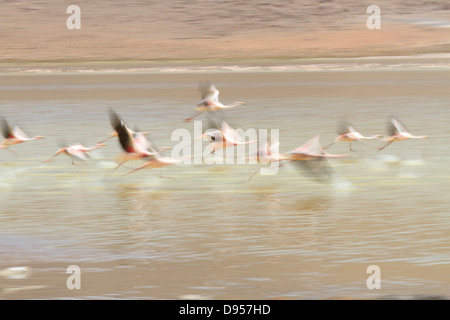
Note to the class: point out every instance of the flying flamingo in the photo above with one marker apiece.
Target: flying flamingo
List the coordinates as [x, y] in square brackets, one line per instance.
[348, 133]
[224, 137]
[398, 132]
[135, 145]
[267, 155]
[210, 101]
[313, 159]
[14, 136]
[76, 152]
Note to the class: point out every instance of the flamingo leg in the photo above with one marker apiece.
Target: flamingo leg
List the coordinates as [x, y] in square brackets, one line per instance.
[139, 168]
[132, 171]
[125, 174]
[105, 140]
[189, 119]
[114, 170]
[51, 158]
[385, 146]
[12, 151]
[351, 146]
[251, 177]
[165, 177]
[329, 145]
[211, 153]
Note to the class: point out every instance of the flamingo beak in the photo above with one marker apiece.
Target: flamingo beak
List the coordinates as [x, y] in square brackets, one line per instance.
[200, 137]
[207, 137]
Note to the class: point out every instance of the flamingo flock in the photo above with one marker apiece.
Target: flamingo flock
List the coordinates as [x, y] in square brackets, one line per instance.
[310, 157]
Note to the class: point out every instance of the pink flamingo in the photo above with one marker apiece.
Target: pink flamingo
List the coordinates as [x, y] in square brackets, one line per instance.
[349, 134]
[14, 136]
[312, 158]
[210, 101]
[267, 155]
[398, 132]
[224, 137]
[135, 145]
[76, 152]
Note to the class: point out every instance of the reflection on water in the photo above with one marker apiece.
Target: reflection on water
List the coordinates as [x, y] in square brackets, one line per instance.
[206, 231]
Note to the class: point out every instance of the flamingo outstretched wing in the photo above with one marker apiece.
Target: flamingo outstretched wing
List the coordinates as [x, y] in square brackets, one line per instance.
[274, 147]
[316, 169]
[395, 127]
[204, 88]
[125, 137]
[19, 133]
[311, 147]
[343, 127]
[78, 152]
[313, 160]
[214, 93]
[398, 126]
[6, 129]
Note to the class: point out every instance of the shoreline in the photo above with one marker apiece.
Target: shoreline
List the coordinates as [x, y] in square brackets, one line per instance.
[426, 62]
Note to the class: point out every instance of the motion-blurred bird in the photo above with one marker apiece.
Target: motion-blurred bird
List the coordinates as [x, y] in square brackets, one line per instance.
[14, 136]
[267, 154]
[398, 132]
[224, 137]
[135, 145]
[210, 101]
[76, 152]
[313, 159]
[348, 133]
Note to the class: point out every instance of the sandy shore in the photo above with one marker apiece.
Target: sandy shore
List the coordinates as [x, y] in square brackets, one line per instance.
[206, 29]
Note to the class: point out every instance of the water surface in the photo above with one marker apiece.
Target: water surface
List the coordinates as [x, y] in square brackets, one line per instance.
[205, 231]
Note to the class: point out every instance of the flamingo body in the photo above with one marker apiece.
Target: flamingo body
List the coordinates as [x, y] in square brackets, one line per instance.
[78, 151]
[14, 136]
[348, 134]
[210, 101]
[398, 132]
